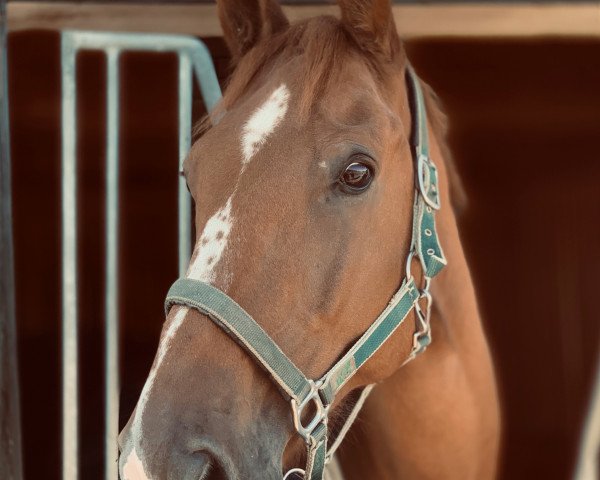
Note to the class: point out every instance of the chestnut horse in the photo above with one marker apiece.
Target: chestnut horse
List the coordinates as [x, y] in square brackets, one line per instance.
[314, 182]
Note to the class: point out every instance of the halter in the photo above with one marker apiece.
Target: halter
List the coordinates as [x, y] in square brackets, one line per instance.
[294, 385]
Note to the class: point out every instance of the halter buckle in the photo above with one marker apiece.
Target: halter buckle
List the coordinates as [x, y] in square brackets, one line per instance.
[430, 195]
[320, 415]
[423, 329]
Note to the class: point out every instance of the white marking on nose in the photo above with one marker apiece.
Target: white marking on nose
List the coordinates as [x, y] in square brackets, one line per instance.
[212, 243]
[263, 122]
[163, 347]
[134, 469]
[208, 252]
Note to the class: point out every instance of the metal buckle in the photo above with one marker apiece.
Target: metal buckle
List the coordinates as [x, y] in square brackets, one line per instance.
[424, 326]
[424, 291]
[408, 266]
[423, 165]
[320, 415]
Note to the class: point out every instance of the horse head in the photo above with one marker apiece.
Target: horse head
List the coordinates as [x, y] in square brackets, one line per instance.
[304, 187]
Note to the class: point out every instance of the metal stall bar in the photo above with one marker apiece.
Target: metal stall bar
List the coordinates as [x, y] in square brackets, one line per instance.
[588, 461]
[185, 132]
[111, 307]
[69, 264]
[193, 57]
[10, 417]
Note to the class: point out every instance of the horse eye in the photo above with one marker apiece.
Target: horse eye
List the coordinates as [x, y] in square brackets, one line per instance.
[356, 177]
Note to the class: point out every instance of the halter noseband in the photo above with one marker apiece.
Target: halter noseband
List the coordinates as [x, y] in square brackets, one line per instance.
[294, 385]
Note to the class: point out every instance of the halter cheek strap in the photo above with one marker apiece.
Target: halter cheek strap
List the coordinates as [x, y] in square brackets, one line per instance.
[293, 384]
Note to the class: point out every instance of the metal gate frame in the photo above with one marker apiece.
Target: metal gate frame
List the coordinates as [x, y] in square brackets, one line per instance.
[588, 459]
[194, 58]
[10, 417]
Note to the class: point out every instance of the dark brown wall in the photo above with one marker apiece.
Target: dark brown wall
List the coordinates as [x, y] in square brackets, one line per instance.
[525, 125]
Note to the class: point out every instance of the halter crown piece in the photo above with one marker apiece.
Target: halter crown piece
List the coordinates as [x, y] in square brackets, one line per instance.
[294, 385]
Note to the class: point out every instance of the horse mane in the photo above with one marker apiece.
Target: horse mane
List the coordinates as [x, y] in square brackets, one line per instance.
[323, 44]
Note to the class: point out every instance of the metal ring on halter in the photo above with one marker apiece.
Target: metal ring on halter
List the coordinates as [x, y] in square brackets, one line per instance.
[299, 471]
[425, 289]
[427, 280]
[422, 322]
[409, 259]
[422, 170]
[426, 294]
[320, 413]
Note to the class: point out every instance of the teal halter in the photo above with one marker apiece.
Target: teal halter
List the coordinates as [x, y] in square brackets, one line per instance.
[294, 385]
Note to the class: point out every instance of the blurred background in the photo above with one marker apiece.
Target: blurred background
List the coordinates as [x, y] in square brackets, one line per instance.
[520, 83]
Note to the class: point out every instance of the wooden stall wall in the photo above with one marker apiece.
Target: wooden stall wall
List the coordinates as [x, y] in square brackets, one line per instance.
[525, 124]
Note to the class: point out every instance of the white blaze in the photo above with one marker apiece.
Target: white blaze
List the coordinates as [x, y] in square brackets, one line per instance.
[133, 469]
[208, 252]
[212, 244]
[263, 122]
[163, 347]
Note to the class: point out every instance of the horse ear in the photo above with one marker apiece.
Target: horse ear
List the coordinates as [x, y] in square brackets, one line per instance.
[371, 23]
[245, 22]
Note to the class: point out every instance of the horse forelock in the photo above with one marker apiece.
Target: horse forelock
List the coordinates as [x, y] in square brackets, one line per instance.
[323, 44]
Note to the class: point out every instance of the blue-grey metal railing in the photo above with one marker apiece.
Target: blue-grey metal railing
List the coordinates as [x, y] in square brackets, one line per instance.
[10, 417]
[588, 460]
[194, 58]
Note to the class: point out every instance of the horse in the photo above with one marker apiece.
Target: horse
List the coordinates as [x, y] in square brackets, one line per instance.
[323, 189]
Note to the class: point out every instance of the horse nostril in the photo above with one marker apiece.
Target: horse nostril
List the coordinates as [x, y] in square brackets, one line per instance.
[212, 470]
[199, 466]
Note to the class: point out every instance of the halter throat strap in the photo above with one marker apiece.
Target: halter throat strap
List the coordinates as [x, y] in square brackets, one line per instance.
[293, 384]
